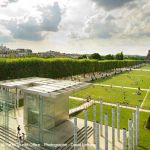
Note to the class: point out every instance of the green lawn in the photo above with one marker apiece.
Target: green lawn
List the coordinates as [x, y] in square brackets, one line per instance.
[112, 95]
[130, 79]
[125, 114]
[145, 67]
[147, 102]
[74, 103]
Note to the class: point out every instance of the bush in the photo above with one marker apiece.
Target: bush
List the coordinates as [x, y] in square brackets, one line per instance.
[56, 67]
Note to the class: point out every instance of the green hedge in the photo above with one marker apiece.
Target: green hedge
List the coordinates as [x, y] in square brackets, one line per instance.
[55, 67]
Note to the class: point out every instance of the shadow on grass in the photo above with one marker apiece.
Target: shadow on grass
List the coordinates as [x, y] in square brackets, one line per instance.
[142, 147]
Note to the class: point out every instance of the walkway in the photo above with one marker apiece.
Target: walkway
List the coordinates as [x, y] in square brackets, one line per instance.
[148, 70]
[145, 98]
[110, 104]
[117, 86]
[81, 107]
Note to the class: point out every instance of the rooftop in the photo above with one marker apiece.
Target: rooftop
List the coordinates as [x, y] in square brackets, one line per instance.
[43, 86]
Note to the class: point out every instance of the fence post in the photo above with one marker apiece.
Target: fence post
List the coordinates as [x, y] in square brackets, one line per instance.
[97, 137]
[134, 130]
[129, 134]
[137, 125]
[106, 131]
[118, 122]
[113, 129]
[85, 128]
[101, 117]
[75, 133]
[94, 122]
[124, 139]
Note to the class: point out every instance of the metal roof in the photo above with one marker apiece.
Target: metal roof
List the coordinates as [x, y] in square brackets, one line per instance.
[43, 86]
[16, 83]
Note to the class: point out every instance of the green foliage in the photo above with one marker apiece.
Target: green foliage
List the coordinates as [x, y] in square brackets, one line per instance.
[11, 68]
[119, 56]
[95, 56]
[109, 57]
[135, 57]
[82, 57]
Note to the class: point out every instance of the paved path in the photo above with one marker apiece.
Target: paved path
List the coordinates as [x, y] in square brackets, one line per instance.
[90, 76]
[81, 107]
[142, 70]
[145, 98]
[111, 104]
[138, 75]
[117, 86]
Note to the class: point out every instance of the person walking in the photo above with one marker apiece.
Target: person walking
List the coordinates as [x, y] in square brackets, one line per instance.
[18, 131]
[20, 140]
[23, 137]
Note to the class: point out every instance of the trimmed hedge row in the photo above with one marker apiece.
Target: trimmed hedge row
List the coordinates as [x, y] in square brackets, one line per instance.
[56, 67]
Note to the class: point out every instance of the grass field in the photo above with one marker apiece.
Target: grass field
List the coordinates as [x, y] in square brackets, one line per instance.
[130, 79]
[147, 102]
[112, 95]
[74, 103]
[125, 114]
[145, 67]
[124, 96]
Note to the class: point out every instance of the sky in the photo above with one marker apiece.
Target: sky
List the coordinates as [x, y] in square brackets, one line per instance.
[76, 26]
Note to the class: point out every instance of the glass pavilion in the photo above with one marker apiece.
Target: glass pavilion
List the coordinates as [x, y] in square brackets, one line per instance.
[46, 106]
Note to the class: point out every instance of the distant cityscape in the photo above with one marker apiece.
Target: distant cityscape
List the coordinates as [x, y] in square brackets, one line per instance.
[21, 52]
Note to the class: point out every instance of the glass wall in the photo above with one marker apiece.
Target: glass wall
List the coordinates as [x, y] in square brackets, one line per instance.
[31, 117]
[43, 114]
[39, 118]
[48, 114]
[7, 110]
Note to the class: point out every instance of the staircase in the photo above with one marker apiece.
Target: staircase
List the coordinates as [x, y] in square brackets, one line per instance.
[9, 137]
[80, 138]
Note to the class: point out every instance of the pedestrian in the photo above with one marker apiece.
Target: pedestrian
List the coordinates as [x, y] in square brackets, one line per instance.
[23, 137]
[20, 140]
[18, 131]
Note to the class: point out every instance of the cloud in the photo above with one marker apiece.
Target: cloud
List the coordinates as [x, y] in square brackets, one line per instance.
[137, 23]
[26, 30]
[51, 17]
[35, 29]
[112, 4]
[5, 38]
[118, 24]
[101, 27]
[5, 3]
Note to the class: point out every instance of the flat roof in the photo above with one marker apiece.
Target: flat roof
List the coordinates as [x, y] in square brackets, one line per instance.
[43, 86]
[16, 83]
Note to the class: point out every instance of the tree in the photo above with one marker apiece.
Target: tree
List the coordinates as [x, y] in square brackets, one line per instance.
[109, 57]
[95, 56]
[119, 56]
[82, 57]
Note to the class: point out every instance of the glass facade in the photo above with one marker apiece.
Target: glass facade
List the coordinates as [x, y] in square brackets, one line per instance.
[42, 114]
[7, 111]
[45, 107]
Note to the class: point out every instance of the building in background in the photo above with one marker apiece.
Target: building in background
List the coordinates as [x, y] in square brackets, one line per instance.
[23, 52]
[148, 55]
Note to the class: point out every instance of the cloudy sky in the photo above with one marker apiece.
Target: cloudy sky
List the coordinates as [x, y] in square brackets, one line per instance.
[76, 26]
